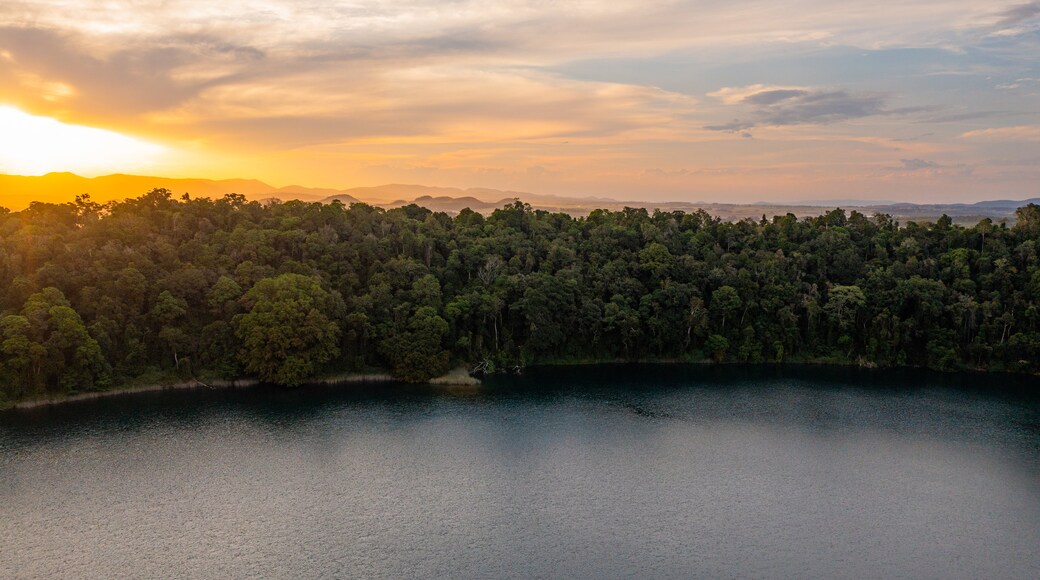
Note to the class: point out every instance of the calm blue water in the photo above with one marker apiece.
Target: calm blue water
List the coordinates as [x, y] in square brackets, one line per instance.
[598, 472]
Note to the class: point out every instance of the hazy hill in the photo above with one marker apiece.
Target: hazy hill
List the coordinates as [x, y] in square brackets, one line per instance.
[453, 205]
[1005, 203]
[390, 194]
[387, 194]
[16, 192]
[342, 198]
[305, 193]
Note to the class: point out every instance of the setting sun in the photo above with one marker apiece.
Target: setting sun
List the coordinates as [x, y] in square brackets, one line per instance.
[33, 145]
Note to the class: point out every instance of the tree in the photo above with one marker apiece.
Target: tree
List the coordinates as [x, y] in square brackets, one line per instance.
[696, 319]
[717, 345]
[417, 354]
[548, 308]
[168, 310]
[23, 358]
[289, 329]
[223, 295]
[724, 302]
[426, 291]
[50, 347]
[656, 260]
[1027, 219]
[750, 347]
[843, 304]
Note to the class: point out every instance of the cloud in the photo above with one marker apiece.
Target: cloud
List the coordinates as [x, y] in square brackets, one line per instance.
[734, 126]
[926, 168]
[1024, 82]
[480, 88]
[771, 106]
[195, 85]
[959, 117]
[658, 172]
[917, 164]
[587, 23]
[126, 81]
[819, 107]
[1015, 162]
[1018, 14]
[1018, 133]
[191, 64]
[736, 95]
[430, 105]
[772, 97]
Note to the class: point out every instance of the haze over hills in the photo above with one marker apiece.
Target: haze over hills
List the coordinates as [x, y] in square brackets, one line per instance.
[18, 191]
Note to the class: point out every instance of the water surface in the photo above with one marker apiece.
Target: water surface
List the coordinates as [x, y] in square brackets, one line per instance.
[606, 472]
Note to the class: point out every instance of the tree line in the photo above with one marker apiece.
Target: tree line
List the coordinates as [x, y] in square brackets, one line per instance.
[93, 296]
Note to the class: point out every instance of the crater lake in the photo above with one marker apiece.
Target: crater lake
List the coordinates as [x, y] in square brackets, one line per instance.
[609, 471]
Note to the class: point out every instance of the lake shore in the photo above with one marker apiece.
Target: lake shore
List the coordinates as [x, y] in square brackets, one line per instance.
[458, 377]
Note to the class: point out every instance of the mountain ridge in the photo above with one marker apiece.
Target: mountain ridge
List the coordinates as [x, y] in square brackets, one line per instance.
[18, 191]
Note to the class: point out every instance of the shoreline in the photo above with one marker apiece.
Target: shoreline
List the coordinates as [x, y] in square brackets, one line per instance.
[181, 386]
[458, 377]
[455, 378]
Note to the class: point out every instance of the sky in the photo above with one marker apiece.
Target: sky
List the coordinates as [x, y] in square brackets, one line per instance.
[686, 100]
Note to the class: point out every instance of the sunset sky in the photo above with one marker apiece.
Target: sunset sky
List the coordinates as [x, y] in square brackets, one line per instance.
[925, 101]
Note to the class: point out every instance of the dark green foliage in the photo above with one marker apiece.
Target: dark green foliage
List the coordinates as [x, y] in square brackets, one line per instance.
[717, 345]
[47, 349]
[288, 329]
[93, 295]
[417, 353]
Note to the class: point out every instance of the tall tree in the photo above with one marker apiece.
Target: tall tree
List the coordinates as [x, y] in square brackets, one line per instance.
[289, 329]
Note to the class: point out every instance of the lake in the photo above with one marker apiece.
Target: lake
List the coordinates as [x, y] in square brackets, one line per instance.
[592, 472]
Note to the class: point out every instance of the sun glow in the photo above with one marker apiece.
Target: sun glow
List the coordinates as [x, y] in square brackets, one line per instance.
[32, 145]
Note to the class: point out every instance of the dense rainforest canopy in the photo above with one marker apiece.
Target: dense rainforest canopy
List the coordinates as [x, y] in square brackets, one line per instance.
[93, 296]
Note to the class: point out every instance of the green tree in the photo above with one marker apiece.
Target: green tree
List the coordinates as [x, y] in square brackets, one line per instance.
[843, 302]
[725, 302]
[417, 354]
[223, 296]
[23, 358]
[1027, 220]
[168, 312]
[289, 329]
[50, 343]
[717, 345]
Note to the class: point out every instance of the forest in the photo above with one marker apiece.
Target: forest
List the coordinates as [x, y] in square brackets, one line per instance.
[96, 296]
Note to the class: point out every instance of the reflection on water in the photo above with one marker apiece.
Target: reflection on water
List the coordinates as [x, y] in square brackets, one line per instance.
[660, 471]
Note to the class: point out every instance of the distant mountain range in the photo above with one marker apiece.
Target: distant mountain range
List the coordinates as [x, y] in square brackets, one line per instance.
[17, 191]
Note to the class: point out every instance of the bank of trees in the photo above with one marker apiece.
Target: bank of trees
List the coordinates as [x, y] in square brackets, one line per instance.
[93, 295]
